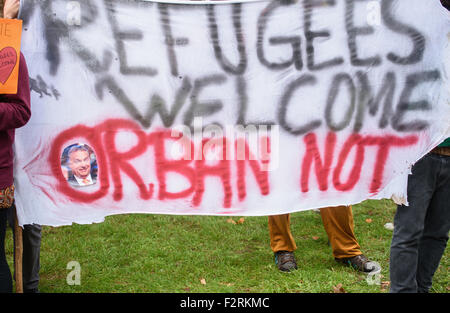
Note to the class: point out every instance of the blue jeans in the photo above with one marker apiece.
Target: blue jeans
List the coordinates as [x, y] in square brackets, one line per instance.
[421, 229]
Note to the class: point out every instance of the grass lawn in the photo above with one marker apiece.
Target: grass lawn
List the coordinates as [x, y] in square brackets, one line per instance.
[164, 253]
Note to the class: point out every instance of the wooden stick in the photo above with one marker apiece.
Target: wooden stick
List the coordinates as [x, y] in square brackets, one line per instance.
[18, 253]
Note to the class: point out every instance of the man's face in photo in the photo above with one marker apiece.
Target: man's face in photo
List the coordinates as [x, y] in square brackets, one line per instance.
[80, 163]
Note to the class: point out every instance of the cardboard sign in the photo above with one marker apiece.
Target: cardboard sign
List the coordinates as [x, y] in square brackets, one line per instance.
[10, 36]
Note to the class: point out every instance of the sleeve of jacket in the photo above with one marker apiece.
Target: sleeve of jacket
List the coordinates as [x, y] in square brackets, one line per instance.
[15, 109]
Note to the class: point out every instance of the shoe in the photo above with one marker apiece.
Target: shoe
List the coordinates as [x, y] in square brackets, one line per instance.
[285, 261]
[361, 263]
[34, 290]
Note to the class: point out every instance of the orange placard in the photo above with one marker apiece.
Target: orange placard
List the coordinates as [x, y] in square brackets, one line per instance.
[10, 36]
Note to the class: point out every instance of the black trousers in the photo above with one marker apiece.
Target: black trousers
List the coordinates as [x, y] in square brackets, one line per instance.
[421, 229]
[31, 253]
[5, 273]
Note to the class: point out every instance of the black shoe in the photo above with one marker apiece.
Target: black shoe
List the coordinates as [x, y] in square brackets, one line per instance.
[34, 290]
[285, 261]
[361, 263]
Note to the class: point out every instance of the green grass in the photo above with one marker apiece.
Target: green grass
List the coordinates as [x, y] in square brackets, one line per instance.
[164, 253]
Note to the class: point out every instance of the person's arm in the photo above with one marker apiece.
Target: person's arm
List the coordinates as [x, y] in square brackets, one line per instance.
[15, 109]
[11, 8]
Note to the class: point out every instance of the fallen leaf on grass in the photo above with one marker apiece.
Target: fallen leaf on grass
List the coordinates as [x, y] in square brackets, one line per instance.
[187, 289]
[315, 237]
[339, 289]
[240, 221]
[369, 220]
[227, 284]
[203, 281]
[385, 285]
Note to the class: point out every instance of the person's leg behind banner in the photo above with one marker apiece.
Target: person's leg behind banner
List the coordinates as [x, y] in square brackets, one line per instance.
[31, 234]
[339, 226]
[282, 242]
[31, 257]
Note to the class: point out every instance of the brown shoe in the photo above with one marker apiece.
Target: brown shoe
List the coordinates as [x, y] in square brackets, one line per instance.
[360, 263]
[285, 261]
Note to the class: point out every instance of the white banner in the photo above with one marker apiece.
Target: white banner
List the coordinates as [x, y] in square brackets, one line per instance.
[226, 108]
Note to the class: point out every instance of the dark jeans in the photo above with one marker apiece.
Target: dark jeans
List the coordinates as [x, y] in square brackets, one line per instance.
[421, 229]
[5, 273]
[31, 235]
